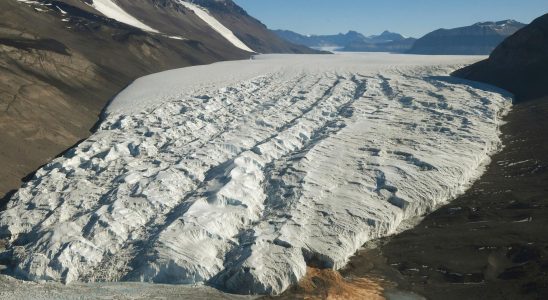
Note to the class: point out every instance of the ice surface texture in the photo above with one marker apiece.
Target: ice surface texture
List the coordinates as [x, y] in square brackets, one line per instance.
[242, 180]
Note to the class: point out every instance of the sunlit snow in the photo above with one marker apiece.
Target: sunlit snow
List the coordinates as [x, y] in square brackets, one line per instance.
[113, 11]
[239, 174]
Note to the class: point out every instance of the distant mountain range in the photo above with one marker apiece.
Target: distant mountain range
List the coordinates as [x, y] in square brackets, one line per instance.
[519, 64]
[477, 39]
[350, 41]
[480, 39]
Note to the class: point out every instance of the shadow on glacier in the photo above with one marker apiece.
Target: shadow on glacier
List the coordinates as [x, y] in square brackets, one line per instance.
[473, 84]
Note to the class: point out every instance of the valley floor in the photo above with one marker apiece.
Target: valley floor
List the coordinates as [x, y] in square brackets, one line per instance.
[11, 288]
[244, 175]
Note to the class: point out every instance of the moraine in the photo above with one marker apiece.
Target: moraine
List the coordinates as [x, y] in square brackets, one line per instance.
[239, 174]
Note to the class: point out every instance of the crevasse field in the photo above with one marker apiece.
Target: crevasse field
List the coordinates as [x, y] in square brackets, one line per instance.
[240, 174]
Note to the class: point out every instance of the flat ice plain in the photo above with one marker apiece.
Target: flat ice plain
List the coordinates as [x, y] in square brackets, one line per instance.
[240, 174]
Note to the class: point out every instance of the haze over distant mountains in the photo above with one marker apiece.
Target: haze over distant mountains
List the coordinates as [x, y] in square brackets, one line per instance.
[350, 41]
[62, 60]
[477, 39]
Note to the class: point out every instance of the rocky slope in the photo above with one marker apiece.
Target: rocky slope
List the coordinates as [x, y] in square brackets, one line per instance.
[62, 60]
[351, 41]
[320, 41]
[477, 39]
[250, 30]
[519, 64]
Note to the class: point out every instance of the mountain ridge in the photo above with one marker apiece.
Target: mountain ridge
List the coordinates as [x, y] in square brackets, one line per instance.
[350, 41]
[63, 60]
[518, 64]
[477, 39]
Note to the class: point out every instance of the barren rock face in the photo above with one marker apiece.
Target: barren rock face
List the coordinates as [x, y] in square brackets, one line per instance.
[37, 118]
[241, 179]
[518, 64]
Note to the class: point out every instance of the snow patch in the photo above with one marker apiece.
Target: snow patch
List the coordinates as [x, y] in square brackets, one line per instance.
[113, 11]
[216, 25]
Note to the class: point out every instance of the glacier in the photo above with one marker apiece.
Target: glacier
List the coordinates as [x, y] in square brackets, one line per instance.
[241, 174]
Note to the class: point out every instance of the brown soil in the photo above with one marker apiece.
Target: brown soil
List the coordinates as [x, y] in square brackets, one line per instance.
[330, 284]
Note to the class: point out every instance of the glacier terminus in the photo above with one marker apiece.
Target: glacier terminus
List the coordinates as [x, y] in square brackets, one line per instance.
[241, 174]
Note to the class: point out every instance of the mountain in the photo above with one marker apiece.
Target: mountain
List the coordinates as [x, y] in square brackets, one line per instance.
[385, 37]
[248, 29]
[519, 64]
[397, 46]
[320, 41]
[63, 60]
[351, 41]
[477, 39]
[245, 175]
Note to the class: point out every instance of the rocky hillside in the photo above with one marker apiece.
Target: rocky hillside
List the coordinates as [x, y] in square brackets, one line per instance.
[63, 60]
[519, 64]
[250, 30]
[351, 41]
[477, 39]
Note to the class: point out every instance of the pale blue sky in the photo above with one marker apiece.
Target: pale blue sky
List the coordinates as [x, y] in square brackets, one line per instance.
[409, 17]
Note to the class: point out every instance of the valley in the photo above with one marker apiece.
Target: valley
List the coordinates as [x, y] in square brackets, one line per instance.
[182, 149]
[243, 180]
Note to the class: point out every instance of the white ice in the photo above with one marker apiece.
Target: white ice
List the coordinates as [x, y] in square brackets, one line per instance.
[216, 25]
[239, 174]
[113, 11]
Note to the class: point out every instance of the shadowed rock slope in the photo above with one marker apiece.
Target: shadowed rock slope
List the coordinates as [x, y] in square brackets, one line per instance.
[519, 64]
[477, 39]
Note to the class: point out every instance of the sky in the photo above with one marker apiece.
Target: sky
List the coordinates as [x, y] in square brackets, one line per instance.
[412, 18]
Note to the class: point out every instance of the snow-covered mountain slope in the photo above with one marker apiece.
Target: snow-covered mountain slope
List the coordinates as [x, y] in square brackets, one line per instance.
[220, 28]
[113, 11]
[244, 179]
[205, 21]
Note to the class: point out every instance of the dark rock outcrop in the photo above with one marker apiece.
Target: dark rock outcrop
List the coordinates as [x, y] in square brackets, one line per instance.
[519, 64]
